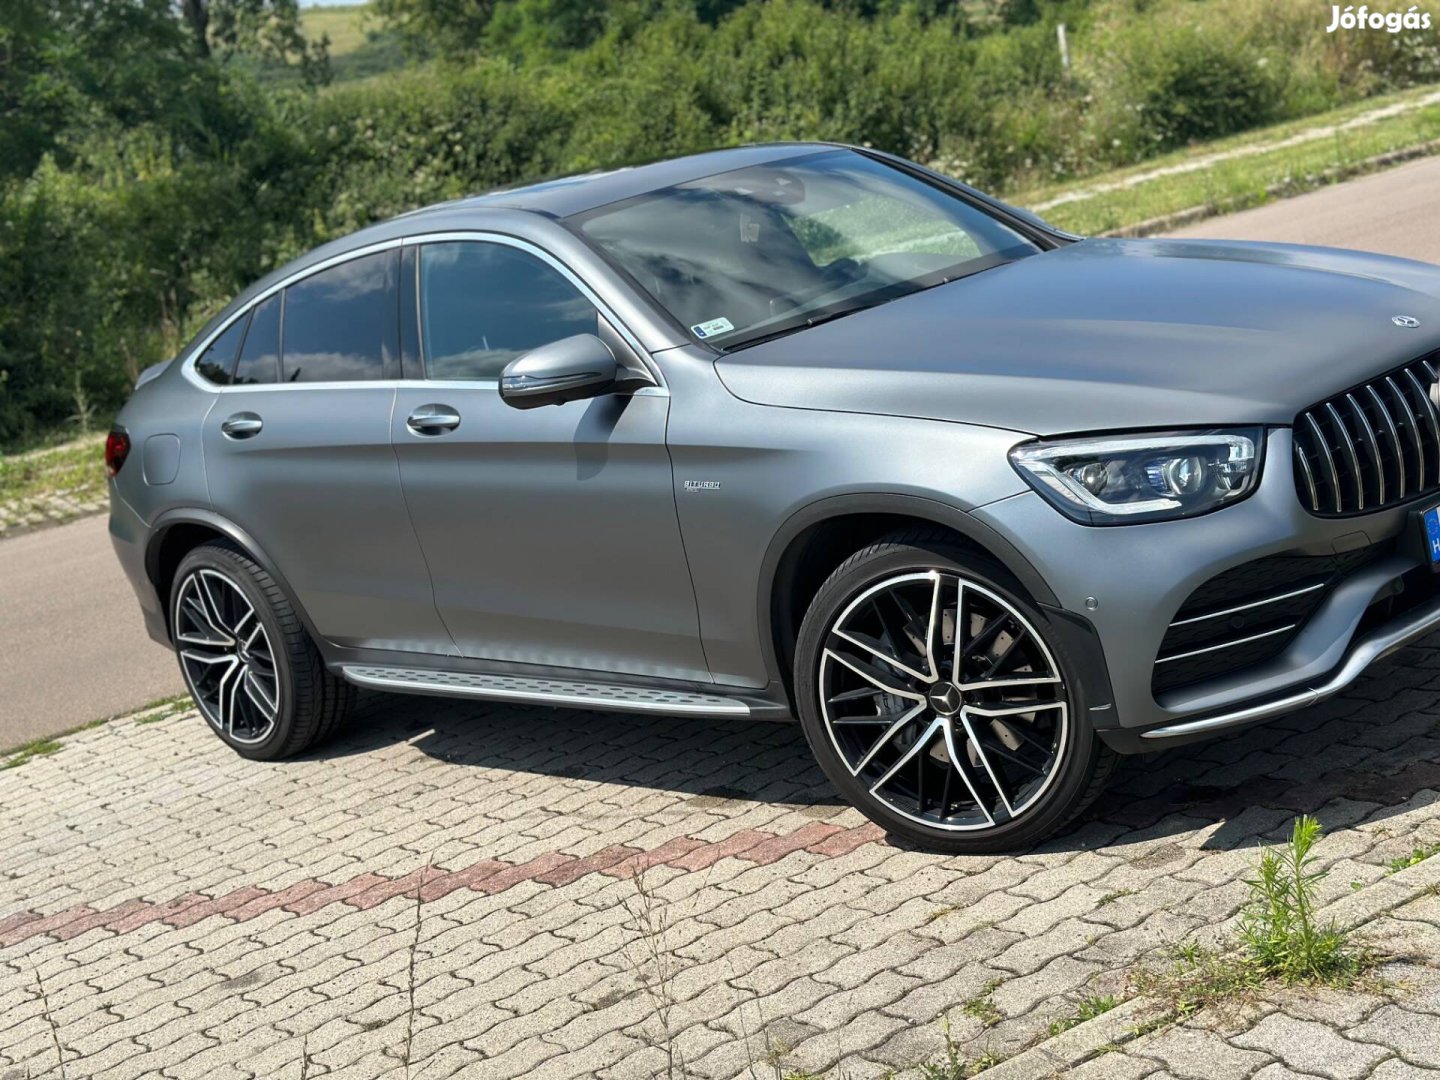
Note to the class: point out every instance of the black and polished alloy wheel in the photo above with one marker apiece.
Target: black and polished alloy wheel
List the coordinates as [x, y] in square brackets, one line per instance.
[934, 700]
[226, 657]
[253, 670]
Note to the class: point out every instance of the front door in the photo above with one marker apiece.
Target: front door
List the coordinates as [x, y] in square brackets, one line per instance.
[551, 534]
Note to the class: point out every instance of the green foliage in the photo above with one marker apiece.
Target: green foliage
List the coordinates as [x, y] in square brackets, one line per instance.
[1417, 855]
[143, 182]
[1089, 1008]
[1278, 929]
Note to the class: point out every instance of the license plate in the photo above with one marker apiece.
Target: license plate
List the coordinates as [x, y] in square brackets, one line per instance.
[1431, 520]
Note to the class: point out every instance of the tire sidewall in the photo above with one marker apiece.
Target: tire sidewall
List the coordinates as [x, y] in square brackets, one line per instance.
[240, 571]
[851, 579]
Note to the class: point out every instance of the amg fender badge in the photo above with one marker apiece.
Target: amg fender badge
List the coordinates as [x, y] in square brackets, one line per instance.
[702, 485]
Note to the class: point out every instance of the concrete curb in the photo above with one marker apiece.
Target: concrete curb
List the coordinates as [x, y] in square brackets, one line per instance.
[1131, 1019]
[1194, 214]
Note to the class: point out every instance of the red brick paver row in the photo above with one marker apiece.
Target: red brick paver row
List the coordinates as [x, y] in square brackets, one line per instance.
[489, 876]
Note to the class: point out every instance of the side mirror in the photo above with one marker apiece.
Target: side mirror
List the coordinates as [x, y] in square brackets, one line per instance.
[566, 370]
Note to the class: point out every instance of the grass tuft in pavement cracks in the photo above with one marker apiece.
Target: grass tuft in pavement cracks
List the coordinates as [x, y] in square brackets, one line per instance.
[1280, 940]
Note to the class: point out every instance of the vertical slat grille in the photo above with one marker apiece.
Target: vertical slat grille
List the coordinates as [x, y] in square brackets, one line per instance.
[1373, 447]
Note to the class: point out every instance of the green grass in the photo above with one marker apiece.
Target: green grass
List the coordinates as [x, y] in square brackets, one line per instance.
[1415, 858]
[75, 469]
[31, 750]
[1089, 1008]
[1238, 183]
[981, 1007]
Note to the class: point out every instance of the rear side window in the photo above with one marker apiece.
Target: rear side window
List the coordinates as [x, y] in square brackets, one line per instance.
[483, 304]
[217, 362]
[260, 355]
[340, 324]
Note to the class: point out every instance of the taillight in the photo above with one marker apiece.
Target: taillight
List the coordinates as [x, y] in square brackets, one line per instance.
[117, 449]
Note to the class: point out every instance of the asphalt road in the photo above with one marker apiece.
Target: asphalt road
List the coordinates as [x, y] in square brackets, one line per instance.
[72, 647]
[1393, 212]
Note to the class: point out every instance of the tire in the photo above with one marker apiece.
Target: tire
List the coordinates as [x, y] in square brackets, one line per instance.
[249, 664]
[885, 718]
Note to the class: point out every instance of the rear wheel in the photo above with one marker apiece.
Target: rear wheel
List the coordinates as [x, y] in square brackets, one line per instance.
[939, 702]
[246, 659]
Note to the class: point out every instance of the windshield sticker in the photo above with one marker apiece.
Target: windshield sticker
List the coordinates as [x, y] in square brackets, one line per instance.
[713, 327]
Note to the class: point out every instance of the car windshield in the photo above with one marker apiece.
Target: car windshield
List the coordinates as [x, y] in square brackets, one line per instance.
[747, 255]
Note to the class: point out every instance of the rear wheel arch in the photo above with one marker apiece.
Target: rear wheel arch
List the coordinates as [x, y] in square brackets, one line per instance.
[818, 538]
[175, 534]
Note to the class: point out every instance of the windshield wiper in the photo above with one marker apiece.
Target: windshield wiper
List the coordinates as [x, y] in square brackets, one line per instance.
[805, 324]
[977, 266]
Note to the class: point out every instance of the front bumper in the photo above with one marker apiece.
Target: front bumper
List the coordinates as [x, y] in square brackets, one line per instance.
[1129, 582]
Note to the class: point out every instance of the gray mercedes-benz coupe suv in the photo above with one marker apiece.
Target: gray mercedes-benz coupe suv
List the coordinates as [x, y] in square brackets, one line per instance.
[797, 431]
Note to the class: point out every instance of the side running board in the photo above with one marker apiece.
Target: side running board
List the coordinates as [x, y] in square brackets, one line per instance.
[540, 691]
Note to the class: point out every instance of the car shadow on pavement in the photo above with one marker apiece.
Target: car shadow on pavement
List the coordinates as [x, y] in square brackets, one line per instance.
[1364, 756]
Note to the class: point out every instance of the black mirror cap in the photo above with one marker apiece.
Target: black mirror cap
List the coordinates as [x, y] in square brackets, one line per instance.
[570, 369]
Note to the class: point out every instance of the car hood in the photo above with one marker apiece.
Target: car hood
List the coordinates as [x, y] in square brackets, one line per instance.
[1107, 334]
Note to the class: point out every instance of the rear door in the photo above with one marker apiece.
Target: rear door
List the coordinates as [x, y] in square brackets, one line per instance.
[298, 454]
[551, 534]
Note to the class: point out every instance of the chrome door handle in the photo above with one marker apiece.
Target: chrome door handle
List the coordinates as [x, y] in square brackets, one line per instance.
[433, 420]
[243, 425]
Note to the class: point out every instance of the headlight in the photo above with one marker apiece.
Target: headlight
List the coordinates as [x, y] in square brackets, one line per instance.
[1125, 479]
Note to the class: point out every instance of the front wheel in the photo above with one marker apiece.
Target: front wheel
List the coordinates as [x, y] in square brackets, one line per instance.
[939, 702]
[247, 661]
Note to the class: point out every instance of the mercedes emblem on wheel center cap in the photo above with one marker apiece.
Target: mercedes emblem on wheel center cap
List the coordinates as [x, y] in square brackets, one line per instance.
[1407, 321]
[945, 699]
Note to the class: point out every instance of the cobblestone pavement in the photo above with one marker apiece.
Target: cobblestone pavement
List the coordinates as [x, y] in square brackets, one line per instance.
[499, 892]
[1388, 1032]
[23, 515]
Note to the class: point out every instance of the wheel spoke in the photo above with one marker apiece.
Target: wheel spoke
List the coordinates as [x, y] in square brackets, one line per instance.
[859, 668]
[884, 739]
[957, 666]
[880, 654]
[256, 693]
[1014, 710]
[908, 756]
[959, 768]
[997, 684]
[985, 762]
[217, 620]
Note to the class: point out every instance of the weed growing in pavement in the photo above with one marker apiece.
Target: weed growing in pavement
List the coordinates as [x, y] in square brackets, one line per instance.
[981, 1007]
[1278, 928]
[50, 1021]
[1415, 858]
[656, 969]
[1280, 938]
[1111, 897]
[22, 754]
[1090, 1007]
[954, 1065]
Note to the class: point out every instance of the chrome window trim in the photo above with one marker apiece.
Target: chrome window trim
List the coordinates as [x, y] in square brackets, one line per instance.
[481, 236]
[187, 367]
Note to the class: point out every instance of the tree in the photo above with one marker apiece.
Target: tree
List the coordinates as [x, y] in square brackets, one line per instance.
[264, 28]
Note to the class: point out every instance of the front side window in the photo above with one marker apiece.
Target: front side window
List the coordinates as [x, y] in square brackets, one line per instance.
[260, 355]
[340, 323]
[755, 252]
[217, 362]
[483, 304]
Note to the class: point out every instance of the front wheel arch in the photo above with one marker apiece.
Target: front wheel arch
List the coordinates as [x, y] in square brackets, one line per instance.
[817, 538]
